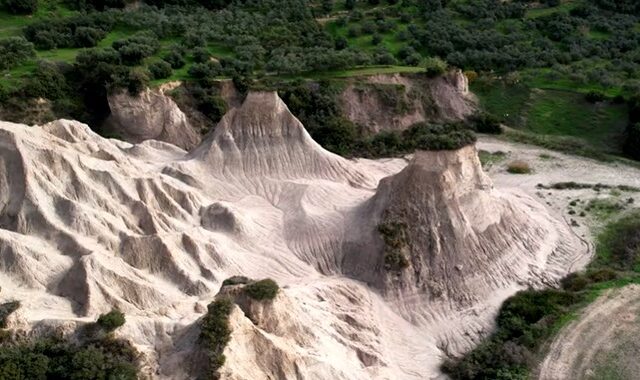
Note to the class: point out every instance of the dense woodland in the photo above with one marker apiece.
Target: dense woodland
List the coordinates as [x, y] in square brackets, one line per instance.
[74, 52]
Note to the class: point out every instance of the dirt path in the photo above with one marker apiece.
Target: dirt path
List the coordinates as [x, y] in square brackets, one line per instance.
[602, 343]
[549, 167]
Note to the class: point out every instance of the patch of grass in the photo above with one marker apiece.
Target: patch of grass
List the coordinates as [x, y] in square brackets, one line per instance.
[12, 25]
[562, 113]
[604, 208]
[262, 290]
[488, 159]
[502, 100]
[542, 11]
[619, 243]
[518, 167]
[362, 71]
[550, 79]
[572, 185]
[60, 55]
[570, 145]
[530, 107]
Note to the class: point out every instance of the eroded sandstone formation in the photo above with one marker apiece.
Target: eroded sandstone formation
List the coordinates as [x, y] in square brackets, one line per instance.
[88, 224]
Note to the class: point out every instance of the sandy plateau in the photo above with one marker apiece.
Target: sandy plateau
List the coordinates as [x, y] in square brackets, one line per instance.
[90, 224]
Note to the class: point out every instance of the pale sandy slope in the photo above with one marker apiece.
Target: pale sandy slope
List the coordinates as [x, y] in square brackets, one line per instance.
[88, 224]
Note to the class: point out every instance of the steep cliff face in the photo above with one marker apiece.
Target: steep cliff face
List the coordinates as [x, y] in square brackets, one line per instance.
[88, 224]
[438, 237]
[394, 102]
[461, 238]
[151, 115]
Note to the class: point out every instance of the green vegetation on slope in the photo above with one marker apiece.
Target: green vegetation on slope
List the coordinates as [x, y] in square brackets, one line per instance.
[529, 319]
[553, 112]
[96, 356]
[266, 289]
[215, 334]
[573, 47]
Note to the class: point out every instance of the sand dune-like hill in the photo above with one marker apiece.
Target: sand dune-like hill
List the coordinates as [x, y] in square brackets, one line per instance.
[88, 224]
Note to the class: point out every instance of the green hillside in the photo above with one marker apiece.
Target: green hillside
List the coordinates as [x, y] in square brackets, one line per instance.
[532, 63]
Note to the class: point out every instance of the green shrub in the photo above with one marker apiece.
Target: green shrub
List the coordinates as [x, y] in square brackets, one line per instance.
[137, 47]
[236, 280]
[575, 282]
[13, 51]
[483, 122]
[518, 167]
[160, 69]
[393, 233]
[529, 319]
[438, 137]
[47, 82]
[395, 261]
[84, 30]
[435, 67]
[621, 243]
[318, 108]
[215, 333]
[175, 58]
[54, 358]
[206, 72]
[266, 289]
[137, 81]
[201, 55]
[88, 36]
[524, 322]
[602, 275]
[209, 103]
[111, 320]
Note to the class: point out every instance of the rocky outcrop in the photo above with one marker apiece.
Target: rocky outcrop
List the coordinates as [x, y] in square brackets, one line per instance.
[461, 238]
[438, 234]
[151, 115]
[263, 139]
[395, 102]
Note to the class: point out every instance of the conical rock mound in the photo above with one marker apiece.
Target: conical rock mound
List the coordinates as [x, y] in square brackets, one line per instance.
[263, 138]
[437, 234]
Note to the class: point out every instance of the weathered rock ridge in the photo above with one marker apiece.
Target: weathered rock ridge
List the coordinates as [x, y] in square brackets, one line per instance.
[151, 115]
[395, 102]
[88, 224]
